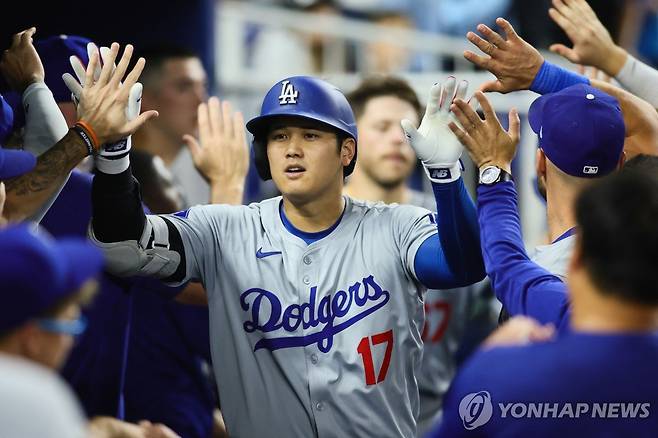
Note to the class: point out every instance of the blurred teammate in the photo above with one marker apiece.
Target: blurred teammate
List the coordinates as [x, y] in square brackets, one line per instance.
[175, 84]
[554, 388]
[386, 160]
[135, 321]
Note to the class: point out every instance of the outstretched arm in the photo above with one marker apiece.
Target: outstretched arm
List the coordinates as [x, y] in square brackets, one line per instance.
[452, 258]
[44, 124]
[592, 45]
[519, 66]
[101, 120]
[521, 285]
[221, 154]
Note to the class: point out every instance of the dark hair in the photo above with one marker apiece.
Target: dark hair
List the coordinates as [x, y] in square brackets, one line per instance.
[619, 235]
[377, 86]
[647, 164]
[157, 55]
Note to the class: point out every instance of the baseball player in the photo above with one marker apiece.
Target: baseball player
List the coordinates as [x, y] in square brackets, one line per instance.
[386, 160]
[596, 378]
[564, 165]
[316, 300]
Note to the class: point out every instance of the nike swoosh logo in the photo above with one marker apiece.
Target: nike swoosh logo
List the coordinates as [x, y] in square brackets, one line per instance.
[261, 255]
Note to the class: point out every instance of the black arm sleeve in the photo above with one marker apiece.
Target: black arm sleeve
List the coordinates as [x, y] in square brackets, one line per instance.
[118, 215]
[117, 212]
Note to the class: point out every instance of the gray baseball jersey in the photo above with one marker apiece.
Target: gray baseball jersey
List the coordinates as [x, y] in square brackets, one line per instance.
[555, 257]
[312, 340]
[446, 316]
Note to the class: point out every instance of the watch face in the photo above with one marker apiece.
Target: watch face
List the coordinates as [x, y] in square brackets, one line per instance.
[489, 175]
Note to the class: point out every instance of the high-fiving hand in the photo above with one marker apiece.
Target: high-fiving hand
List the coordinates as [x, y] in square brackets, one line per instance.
[512, 60]
[485, 139]
[592, 43]
[221, 153]
[112, 158]
[21, 65]
[434, 144]
[104, 101]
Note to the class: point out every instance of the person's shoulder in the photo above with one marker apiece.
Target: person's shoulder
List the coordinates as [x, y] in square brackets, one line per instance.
[379, 207]
[228, 213]
[395, 215]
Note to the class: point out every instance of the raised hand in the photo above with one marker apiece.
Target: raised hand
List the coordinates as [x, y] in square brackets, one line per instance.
[221, 153]
[592, 43]
[433, 142]
[104, 102]
[513, 61]
[485, 140]
[21, 65]
[520, 330]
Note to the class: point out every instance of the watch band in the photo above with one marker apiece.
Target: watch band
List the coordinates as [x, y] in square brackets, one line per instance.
[504, 176]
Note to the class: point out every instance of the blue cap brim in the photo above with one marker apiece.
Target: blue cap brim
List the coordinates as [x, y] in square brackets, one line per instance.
[259, 125]
[535, 113]
[83, 262]
[15, 163]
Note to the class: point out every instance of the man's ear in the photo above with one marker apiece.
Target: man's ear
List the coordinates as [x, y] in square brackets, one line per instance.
[347, 150]
[540, 163]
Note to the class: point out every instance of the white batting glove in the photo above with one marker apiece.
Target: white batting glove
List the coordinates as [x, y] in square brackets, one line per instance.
[434, 143]
[112, 158]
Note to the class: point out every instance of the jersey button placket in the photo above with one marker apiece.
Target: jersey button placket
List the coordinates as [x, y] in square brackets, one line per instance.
[316, 379]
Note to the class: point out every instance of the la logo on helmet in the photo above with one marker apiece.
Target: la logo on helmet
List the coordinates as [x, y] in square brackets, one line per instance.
[288, 93]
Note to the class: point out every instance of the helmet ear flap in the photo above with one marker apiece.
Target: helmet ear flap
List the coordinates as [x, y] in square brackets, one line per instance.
[259, 147]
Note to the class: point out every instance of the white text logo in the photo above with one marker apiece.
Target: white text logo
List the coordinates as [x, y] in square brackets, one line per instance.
[288, 93]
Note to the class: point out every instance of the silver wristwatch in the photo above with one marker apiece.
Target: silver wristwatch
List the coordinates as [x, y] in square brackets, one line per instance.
[493, 174]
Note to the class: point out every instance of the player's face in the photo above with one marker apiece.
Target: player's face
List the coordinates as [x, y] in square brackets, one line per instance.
[177, 94]
[304, 160]
[384, 154]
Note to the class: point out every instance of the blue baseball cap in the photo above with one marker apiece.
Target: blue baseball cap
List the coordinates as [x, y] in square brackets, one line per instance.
[37, 272]
[15, 163]
[6, 119]
[55, 52]
[581, 130]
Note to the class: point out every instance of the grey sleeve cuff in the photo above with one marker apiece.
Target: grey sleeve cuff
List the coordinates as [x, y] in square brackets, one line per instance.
[44, 123]
[639, 79]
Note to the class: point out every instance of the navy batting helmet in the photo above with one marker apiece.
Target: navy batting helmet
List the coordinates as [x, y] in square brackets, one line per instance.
[304, 97]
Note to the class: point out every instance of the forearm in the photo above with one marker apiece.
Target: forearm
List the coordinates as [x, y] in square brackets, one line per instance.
[44, 127]
[458, 231]
[133, 244]
[523, 287]
[117, 212]
[26, 194]
[639, 79]
[453, 258]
